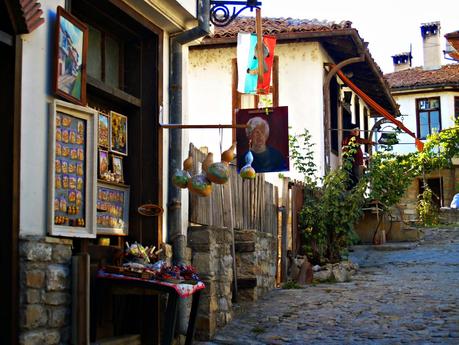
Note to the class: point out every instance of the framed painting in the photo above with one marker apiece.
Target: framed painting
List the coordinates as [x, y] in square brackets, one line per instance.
[117, 168]
[103, 163]
[72, 171]
[266, 137]
[112, 209]
[71, 45]
[103, 130]
[118, 133]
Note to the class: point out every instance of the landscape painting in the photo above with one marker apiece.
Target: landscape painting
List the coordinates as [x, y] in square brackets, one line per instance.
[70, 59]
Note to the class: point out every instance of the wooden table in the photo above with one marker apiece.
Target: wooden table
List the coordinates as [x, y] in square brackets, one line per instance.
[129, 285]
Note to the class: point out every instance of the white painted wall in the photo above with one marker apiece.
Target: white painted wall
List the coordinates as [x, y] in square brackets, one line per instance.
[408, 109]
[300, 88]
[36, 86]
[189, 5]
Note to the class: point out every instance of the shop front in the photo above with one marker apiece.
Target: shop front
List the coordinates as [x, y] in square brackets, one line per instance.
[92, 167]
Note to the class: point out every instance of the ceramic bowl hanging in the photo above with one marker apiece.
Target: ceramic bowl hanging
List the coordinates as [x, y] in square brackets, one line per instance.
[247, 172]
[181, 177]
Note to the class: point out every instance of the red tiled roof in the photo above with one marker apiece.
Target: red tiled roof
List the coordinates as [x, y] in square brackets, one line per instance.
[453, 39]
[274, 26]
[447, 75]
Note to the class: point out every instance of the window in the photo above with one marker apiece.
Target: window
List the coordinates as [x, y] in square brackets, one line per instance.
[104, 55]
[366, 134]
[428, 116]
[456, 107]
[357, 110]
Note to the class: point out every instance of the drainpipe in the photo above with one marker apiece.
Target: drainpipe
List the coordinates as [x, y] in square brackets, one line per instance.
[174, 227]
[327, 107]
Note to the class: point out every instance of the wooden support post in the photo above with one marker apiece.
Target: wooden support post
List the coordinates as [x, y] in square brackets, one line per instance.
[229, 223]
[80, 299]
[285, 209]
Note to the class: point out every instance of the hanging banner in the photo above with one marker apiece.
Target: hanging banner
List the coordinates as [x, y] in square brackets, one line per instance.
[247, 62]
[266, 136]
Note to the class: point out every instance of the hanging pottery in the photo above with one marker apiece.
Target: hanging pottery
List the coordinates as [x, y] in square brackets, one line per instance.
[247, 172]
[207, 162]
[199, 184]
[181, 177]
[228, 155]
[219, 172]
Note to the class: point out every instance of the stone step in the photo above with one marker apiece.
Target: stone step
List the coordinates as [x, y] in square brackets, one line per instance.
[122, 340]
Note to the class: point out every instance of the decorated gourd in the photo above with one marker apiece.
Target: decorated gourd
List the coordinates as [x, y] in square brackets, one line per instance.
[207, 162]
[181, 177]
[219, 172]
[247, 172]
[199, 184]
[228, 155]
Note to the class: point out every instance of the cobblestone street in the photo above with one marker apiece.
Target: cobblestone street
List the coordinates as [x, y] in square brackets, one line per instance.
[406, 296]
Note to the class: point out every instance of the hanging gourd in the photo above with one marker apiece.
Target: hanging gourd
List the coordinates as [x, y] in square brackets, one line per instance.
[247, 172]
[199, 184]
[219, 172]
[181, 178]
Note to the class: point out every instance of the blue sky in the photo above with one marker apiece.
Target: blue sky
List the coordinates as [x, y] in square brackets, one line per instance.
[389, 26]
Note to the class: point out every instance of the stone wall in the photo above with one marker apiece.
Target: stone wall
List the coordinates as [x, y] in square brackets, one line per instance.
[407, 205]
[211, 255]
[256, 263]
[45, 295]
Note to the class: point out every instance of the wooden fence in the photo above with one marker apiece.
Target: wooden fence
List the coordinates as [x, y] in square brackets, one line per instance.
[238, 204]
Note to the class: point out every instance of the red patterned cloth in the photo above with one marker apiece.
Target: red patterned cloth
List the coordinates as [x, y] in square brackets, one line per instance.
[183, 290]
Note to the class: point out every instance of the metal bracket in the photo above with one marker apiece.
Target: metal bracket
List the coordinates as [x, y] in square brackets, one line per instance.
[220, 14]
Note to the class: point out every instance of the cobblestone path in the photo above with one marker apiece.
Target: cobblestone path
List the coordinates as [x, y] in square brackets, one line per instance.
[397, 297]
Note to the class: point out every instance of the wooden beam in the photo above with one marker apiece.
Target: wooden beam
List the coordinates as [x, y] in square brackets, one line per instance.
[259, 45]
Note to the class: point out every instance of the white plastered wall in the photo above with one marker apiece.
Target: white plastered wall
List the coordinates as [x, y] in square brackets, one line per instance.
[301, 76]
[36, 85]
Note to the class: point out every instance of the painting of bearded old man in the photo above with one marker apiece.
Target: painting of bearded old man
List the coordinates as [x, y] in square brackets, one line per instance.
[265, 143]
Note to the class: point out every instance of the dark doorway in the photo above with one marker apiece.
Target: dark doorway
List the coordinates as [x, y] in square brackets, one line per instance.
[9, 197]
[436, 185]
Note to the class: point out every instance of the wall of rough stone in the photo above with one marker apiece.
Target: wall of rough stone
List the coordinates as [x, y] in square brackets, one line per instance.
[211, 255]
[256, 263]
[409, 201]
[45, 291]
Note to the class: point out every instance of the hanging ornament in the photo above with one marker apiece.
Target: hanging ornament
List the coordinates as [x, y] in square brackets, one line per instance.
[199, 184]
[207, 162]
[219, 172]
[181, 177]
[247, 172]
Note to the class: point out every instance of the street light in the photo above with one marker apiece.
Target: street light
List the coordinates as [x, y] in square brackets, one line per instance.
[220, 13]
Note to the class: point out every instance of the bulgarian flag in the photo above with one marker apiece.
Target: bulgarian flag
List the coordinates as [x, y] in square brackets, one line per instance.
[247, 62]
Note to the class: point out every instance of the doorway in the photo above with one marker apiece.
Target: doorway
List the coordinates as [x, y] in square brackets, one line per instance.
[9, 191]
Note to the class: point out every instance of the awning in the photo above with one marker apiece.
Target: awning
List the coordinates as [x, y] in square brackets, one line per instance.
[380, 110]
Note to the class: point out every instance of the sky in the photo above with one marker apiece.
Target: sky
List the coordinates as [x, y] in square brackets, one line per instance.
[390, 26]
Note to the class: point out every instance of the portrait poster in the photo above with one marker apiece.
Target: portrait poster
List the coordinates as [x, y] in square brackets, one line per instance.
[266, 136]
[71, 44]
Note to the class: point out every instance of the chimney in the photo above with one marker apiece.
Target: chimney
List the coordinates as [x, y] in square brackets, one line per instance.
[402, 61]
[431, 45]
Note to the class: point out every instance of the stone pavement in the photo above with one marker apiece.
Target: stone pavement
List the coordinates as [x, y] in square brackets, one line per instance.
[403, 296]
